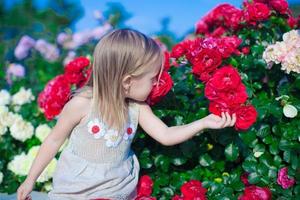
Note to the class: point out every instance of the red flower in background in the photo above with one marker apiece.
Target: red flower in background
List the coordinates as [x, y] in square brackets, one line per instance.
[256, 12]
[228, 45]
[160, 89]
[207, 62]
[54, 96]
[57, 91]
[77, 71]
[193, 190]
[144, 188]
[246, 50]
[218, 107]
[225, 15]
[244, 179]
[245, 116]
[284, 180]
[226, 78]
[256, 193]
[167, 61]
[280, 6]
[178, 50]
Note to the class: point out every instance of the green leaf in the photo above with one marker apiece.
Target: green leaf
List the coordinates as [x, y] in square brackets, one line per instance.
[248, 137]
[253, 178]
[263, 131]
[205, 160]
[163, 162]
[231, 152]
[178, 161]
[273, 148]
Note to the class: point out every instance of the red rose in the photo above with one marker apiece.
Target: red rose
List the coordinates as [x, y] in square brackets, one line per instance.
[201, 27]
[225, 78]
[256, 12]
[144, 187]
[246, 116]
[244, 179]
[245, 50]
[160, 89]
[167, 61]
[193, 190]
[210, 92]
[76, 71]
[193, 47]
[218, 107]
[235, 96]
[206, 61]
[292, 22]
[177, 197]
[77, 65]
[54, 96]
[178, 50]
[218, 32]
[256, 193]
[284, 180]
[280, 6]
[233, 17]
[228, 45]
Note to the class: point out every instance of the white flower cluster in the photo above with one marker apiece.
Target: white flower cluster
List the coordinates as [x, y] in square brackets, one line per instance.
[19, 129]
[20, 165]
[286, 52]
[23, 96]
[42, 131]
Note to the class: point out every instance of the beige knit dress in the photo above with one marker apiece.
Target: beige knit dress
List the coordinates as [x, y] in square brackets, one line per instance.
[98, 162]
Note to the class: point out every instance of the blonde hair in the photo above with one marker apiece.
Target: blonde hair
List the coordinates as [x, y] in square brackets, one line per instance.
[119, 53]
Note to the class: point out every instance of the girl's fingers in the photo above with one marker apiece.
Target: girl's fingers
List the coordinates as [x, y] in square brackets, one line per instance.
[223, 119]
[233, 119]
[228, 119]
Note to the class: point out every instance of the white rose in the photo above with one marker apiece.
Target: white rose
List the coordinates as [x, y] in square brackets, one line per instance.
[21, 130]
[290, 111]
[3, 110]
[291, 37]
[42, 131]
[20, 165]
[10, 118]
[1, 177]
[3, 129]
[22, 96]
[33, 152]
[4, 97]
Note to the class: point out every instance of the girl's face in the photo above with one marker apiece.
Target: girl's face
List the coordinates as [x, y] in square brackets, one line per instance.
[142, 86]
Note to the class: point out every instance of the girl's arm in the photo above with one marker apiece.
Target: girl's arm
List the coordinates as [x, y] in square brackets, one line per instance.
[69, 117]
[168, 136]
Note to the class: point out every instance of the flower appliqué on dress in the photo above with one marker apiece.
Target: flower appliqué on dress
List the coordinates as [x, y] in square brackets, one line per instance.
[96, 128]
[129, 132]
[112, 138]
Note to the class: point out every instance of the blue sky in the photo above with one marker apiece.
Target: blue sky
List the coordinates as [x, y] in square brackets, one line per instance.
[147, 14]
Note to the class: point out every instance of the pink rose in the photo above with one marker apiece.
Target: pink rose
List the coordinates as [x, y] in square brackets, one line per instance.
[283, 179]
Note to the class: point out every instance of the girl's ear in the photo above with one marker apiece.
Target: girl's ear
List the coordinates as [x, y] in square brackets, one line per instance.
[126, 82]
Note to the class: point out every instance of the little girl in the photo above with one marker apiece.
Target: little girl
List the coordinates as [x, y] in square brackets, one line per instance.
[101, 120]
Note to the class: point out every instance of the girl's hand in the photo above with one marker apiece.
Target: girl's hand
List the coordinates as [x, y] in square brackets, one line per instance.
[215, 122]
[24, 190]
